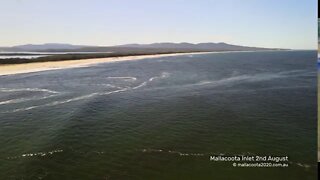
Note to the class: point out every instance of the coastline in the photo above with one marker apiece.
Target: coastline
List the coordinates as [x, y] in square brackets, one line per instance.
[12, 69]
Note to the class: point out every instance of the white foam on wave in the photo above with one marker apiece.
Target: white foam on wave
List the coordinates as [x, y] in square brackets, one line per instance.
[237, 78]
[261, 89]
[28, 89]
[223, 81]
[255, 77]
[126, 78]
[55, 103]
[295, 71]
[162, 76]
[12, 101]
[247, 78]
[108, 85]
[141, 85]
[36, 154]
[21, 100]
[303, 165]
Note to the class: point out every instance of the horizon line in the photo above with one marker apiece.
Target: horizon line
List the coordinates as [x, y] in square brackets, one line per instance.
[159, 42]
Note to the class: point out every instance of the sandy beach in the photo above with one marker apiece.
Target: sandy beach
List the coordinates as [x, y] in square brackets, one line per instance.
[54, 65]
[11, 69]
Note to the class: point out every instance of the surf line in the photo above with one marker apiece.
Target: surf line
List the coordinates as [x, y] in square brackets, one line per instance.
[163, 75]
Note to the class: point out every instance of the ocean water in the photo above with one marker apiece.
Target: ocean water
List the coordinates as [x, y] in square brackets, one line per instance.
[162, 118]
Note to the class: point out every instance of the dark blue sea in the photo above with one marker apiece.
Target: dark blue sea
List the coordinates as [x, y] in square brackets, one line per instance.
[162, 118]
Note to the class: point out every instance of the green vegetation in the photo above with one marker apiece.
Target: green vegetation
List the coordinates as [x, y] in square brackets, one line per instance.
[63, 57]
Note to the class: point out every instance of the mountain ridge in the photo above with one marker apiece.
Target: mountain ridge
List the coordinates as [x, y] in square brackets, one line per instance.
[206, 46]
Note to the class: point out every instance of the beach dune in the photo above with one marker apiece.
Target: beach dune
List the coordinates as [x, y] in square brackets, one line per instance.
[54, 65]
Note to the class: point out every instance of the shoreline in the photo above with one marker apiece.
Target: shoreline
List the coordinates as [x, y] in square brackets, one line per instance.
[12, 69]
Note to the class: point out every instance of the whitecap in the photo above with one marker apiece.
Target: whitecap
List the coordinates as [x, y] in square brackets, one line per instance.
[163, 75]
[36, 154]
[21, 100]
[126, 78]
[28, 89]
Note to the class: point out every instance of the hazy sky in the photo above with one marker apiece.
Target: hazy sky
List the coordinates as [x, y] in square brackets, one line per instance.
[264, 23]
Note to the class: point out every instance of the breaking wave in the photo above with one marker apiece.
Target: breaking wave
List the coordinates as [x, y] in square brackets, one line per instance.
[120, 89]
[36, 154]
